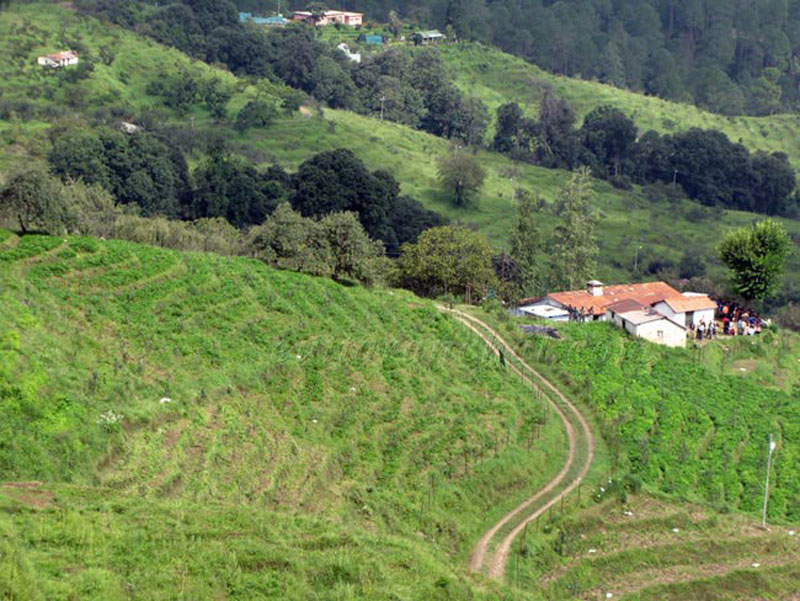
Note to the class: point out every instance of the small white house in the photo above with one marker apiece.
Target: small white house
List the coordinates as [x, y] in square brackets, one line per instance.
[647, 323]
[353, 56]
[58, 60]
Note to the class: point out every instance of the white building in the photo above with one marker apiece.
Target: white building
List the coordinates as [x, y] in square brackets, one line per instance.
[353, 56]
[689, 309]
[654, 311]
[646, 322]
[57, 60]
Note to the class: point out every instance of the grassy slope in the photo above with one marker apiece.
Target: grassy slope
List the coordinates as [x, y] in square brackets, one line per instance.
[496, 78]
[627, 219]
[321, 440]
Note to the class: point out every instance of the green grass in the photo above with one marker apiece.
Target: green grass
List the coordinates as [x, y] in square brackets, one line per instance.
[320, 439]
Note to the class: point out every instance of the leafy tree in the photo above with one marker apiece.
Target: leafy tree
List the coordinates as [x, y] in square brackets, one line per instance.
[408, 220]
[610, 136]
[354, 255]
[461, 176]
[691, 266]
[331, 84]
[526, 244]
[228, 188]
[256, 113]
[33, 199]
[337, 181]
[216, 94]
[179, 91]
[287, 240]
[756, 256]
[574, 245]
[557, 142]
[445, 260]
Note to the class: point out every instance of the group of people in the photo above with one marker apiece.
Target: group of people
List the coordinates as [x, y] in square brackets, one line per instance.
[734, 321]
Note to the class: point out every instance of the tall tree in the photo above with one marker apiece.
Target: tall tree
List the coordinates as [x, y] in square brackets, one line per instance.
[461, 176]
[756, 256]
[574, 245]
[526, 244]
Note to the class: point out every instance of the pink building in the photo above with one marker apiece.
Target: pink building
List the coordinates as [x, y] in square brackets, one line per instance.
[330, 17]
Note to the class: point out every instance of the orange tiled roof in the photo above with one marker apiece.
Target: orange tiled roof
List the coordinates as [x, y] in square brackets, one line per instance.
[644, 294]
[685, 304]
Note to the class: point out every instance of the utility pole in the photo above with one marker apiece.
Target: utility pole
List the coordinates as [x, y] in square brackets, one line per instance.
[636, 260]
[383, 99]
[674, 178]
[772, 446]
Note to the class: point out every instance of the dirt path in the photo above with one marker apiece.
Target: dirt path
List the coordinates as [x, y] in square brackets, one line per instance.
[532, 506]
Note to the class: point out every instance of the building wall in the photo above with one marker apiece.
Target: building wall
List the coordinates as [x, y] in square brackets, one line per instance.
[671, 334]
[664, 309]
[706, 315]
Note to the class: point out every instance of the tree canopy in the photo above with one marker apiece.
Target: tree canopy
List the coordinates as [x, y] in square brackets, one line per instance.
[756, 256]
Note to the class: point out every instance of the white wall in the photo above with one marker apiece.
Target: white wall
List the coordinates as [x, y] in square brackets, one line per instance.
[671, 334]
[664, 309]
[706, 315]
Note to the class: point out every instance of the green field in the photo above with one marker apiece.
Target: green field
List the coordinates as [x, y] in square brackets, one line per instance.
[319, 442]
[183, 425]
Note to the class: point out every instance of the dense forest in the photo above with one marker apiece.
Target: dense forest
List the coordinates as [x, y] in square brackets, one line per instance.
[730, 56]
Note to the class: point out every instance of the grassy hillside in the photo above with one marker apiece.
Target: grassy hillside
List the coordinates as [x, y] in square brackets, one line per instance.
[496, 78]
[627, 219]
[244, 432]
[687, 422]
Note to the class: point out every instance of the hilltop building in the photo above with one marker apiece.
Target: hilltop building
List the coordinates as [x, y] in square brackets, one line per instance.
[330, 17]
[57, 60]
[275, 21]
[353, 56]
[654, 311]
[432, 36]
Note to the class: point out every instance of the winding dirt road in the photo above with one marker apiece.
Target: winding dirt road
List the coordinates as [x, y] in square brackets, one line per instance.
[536, 505]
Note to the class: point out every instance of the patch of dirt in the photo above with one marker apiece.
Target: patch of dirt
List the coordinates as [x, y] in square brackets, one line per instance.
[30, 494]
[306, 112]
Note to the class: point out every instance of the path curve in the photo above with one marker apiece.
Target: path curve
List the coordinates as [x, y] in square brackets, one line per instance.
[497, 565]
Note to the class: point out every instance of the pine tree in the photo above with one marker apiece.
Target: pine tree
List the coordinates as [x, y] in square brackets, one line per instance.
[574, 245]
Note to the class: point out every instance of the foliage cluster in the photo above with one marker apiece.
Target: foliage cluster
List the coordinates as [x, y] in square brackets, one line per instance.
[705, 163]
[731, 59]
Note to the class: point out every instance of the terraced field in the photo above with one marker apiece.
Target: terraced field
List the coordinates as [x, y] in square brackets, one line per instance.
[244, 431]
[646, 547]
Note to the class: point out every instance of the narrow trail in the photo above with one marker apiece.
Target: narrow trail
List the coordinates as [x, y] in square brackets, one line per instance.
[534, 506]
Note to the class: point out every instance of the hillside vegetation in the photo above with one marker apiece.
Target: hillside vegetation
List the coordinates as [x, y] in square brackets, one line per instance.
[117, 90]
[496, 78]
[244, 432]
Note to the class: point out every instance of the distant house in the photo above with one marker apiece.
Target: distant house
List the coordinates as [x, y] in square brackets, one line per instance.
[330, 17]
[276, 21]
[65, 58]
[353, 56]
[431, 36]
[654, 310]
